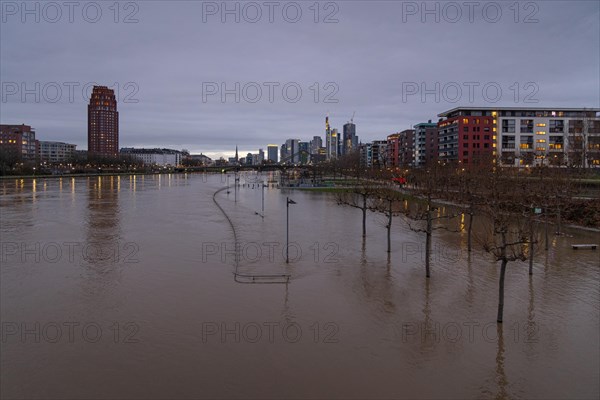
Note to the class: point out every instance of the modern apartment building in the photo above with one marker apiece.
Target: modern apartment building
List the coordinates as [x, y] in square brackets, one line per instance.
[406, 151]
[378, 154]
[162, 157]
[466, 136]
[425, 143]
[523, 136]
[393, 149]
[56, 152]
[365, 152]
[18, 141]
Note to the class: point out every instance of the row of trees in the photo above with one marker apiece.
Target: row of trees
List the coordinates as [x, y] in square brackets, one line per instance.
[77, 163]
[508, 206]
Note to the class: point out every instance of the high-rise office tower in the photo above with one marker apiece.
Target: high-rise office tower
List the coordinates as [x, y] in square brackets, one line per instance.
[272, 152]
[283, 155]
[330, 143]
[103, 123]
[350, 141]
[293, 150]
[261, 156]
[315, 144]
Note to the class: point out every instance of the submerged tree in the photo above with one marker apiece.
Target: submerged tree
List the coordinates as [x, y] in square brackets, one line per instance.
[383, 201]
[359, 197]
[430, 184]
[508, 236]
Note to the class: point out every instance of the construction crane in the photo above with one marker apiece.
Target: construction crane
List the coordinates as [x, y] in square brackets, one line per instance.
[352, 119]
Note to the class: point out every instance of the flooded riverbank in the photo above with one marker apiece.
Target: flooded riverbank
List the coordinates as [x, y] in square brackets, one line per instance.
[123, 287]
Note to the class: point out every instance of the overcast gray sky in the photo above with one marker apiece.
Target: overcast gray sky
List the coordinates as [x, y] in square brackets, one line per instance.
[369, 57]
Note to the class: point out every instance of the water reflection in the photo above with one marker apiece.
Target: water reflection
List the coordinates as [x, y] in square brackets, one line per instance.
[103, 247]
[501, 379]
[369, 294]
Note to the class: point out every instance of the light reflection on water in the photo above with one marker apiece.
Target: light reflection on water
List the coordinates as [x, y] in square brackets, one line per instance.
[152, 263]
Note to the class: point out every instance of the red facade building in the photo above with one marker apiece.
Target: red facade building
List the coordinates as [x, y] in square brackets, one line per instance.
[393, 150]
[103, 123]
[466, 139]
[18, 142]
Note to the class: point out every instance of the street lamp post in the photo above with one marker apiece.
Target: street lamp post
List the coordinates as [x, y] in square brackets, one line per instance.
[287, 230]
[235, 185]
[263, 198]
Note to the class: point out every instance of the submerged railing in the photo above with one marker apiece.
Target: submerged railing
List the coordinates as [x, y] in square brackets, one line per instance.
[248, 278]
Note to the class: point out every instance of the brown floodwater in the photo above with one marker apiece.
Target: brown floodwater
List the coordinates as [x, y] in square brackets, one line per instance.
[123, 287]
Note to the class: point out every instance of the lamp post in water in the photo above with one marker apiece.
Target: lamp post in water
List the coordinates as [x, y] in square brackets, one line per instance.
[287, 230]
[263, 186]
[235, 186]
[263, 198]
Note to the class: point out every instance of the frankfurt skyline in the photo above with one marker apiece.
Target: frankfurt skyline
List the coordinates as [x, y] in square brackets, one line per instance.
[381, 74]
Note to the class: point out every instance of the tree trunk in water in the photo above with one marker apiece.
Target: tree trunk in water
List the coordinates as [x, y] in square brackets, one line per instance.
[364, 211]
[501, 291]
[546, 227]
[428, 243]
[389, 229]
[531, 250]
[469, 246]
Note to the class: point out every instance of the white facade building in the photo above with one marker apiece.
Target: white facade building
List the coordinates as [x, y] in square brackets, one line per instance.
[162, 157]
[54, 152]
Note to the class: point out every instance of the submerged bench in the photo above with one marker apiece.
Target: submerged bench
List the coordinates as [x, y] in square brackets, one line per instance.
[245, 278]
[584, 246]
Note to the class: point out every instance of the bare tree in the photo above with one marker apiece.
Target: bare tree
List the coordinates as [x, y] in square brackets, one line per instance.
[469, 186]
[507, 237]
[383, 201]
[359, 197]
[428, 182]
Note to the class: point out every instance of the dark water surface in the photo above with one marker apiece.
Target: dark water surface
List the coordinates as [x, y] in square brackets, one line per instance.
[123, 287]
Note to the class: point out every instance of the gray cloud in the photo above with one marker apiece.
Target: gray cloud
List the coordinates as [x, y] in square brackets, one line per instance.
[367, 55]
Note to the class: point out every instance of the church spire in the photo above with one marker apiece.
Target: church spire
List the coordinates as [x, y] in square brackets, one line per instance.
[236, 154]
